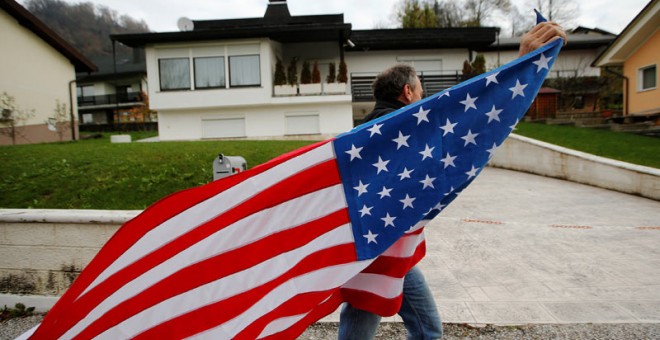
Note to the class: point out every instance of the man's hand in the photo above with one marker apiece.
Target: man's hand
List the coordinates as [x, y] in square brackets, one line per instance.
[540, 35]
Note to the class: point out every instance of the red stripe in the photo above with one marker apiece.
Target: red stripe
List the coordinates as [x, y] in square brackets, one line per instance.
[396, 266]
[134, 229]
[310, 180]
[215, 268]
[210, 316]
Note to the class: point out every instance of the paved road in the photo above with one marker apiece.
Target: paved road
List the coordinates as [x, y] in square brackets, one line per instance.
[516, 248]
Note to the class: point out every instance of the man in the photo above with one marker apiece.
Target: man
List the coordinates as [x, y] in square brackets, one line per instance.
[393, 89]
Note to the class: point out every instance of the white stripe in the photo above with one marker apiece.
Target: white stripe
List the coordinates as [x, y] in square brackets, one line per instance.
[382, 285]
[323, 279]
[280, 324]
[212, 207]
[282, 217]
[225, 287]
[405, 246]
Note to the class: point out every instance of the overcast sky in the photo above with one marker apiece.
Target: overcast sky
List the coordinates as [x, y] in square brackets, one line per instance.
[162, 15]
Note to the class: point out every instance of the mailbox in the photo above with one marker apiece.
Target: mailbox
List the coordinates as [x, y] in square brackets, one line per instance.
[224, 166]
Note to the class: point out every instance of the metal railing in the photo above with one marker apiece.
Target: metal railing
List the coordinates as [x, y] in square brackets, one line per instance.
[109, 99]
[432, 83]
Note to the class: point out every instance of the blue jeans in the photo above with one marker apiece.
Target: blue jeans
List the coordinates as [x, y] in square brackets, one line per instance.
[418, 311]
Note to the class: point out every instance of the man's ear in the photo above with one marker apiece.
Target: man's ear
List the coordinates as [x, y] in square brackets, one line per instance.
[407, 93]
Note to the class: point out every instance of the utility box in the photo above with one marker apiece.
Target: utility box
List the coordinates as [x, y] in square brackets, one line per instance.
[224, 166]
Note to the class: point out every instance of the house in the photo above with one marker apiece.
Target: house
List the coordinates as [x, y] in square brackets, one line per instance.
[637, 50]
[115, 97]
[38, 71]
[214, 78]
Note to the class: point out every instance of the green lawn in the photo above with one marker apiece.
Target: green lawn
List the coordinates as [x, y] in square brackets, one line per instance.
[96, 174]
[627, 147]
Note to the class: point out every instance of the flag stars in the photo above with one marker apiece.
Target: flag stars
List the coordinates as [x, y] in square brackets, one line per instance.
[428, 182]
[405, 174]
[422, 115]
[448, 127]
[385, 192]
[469, 138]
[469, 102]
[518, 90]
[491, 151]
[354, 152]
[449, 160]
[365, 211]
[371, 237]
[443, 94]
[381, 165]
[408, 202]
[389, 220]
[361, 188]
[427, 152]
[472, 172]
[492, 78]
[542, 63]
[375, 129]
[401, 140]
[493, 114]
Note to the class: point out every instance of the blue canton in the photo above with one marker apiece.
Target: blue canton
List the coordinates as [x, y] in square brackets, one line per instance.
[407, 166]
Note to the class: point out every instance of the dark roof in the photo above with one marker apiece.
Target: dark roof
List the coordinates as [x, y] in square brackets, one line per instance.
[277, 24]
[587, 30]
[29, 21]
[126, 67]
[422, 38]
[575, 42]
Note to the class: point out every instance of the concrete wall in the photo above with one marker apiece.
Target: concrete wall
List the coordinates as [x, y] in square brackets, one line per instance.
[42, 251]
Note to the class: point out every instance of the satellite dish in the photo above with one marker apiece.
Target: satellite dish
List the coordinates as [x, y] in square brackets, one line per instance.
[185, 24]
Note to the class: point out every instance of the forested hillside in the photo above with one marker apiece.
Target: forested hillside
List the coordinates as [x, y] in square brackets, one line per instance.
[86, 26]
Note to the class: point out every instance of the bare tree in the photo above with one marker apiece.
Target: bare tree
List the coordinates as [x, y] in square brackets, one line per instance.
[60, 119]
[12, 117]
[564, 12]
[479, 11]
[448, 13]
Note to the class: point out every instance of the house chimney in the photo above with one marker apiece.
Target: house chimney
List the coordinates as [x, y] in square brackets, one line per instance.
[277, 12]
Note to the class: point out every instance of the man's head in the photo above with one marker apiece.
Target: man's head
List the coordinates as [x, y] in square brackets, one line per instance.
[399, 82]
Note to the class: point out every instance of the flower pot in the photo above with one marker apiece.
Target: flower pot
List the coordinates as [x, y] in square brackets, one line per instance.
[310, 89]
[337, 88]
[285, 90]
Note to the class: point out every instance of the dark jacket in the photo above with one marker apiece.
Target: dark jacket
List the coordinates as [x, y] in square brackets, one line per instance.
[382, 108]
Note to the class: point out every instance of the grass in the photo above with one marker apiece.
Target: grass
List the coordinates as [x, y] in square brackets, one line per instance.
[96, 174]
[626, 147]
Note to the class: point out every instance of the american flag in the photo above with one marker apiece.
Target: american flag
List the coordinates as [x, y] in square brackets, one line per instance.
[267, 252]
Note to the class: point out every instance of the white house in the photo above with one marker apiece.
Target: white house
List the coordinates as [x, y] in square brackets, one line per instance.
[39, 71]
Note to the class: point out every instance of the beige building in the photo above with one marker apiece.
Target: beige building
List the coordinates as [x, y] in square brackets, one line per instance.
[637, 49]
[38, 71]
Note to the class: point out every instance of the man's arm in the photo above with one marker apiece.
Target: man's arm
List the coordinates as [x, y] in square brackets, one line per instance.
[540, 35]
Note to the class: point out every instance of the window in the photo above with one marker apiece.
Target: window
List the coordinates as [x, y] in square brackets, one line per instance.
[647, 78]
[174, 74]
[209, 72]
[244, 71]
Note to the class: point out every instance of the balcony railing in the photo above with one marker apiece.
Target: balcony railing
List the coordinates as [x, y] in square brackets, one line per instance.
[109, 99]
[432, 82]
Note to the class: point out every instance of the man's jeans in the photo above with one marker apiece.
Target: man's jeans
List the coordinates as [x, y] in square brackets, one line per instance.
[418, 311]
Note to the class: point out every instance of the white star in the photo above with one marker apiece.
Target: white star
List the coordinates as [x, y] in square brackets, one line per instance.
[421, 115]
[469, 138]
[370, 237]
[354, 152]
[469, 102]
[494, 114]
[449, 160]
[427, 152]
[375, 129]
[407, 202]
[440, 206]
[405, 174]
[361, 188]
[428, 182]
[472, 172]
[450, 191]
[443, 94]
[513, 127]
[518, 89]
[365, 210]
[389, 220]
[491, 151]
[381, 165]
[542, 63]
[401, 140]
[385, 192]
[449, 127]
[492, 79]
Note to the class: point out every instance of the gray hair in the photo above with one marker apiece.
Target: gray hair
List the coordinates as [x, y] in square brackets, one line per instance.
[389, 84]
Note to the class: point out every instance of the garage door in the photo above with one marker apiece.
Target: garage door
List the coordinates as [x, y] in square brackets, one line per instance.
[223, 128]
